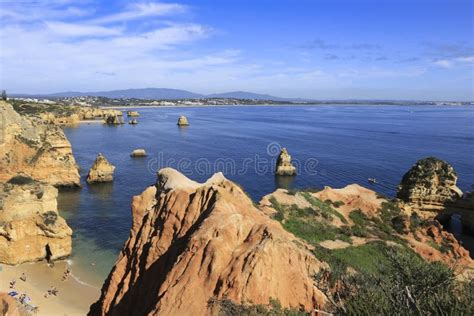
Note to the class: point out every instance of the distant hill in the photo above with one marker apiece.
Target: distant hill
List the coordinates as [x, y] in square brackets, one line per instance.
[245, 95]
[157, 93]
[147, 93]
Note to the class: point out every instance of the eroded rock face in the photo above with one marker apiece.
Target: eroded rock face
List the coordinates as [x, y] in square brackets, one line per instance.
[192, 242]
[30, 226]
[284, 167]
[101, 171]
[429, 185]
[39, 150]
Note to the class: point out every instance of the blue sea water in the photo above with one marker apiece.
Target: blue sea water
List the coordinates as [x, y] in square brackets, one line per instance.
[332, 145]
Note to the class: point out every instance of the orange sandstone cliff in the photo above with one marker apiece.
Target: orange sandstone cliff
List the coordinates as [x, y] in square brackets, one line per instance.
[191, 243]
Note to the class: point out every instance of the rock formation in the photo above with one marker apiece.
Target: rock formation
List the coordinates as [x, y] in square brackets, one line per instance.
[10, 307]
[284, 167]
[192, 242]
[114, 120]
[37, 149]
[133, 122]
[101, 171]
[138, 153]
[133, 113]
[183, 121]
[30, 226]
[429, 185]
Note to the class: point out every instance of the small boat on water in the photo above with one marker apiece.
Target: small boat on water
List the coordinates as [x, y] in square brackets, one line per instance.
[372, 180]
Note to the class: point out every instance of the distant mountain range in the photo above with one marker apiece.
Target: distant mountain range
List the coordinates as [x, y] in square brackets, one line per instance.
[159, 93]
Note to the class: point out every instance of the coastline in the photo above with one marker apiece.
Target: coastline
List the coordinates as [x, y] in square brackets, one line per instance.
[262, 105]
[74, 296]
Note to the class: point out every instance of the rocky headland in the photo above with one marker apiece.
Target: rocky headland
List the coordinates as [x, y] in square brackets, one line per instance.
[207, 249]
[30, 226]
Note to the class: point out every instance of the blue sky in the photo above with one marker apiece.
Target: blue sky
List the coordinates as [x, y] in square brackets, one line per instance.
[323, 49]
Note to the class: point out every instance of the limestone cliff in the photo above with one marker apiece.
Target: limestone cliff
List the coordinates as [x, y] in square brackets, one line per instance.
[429, 185]
[191, 243]
[40, 150]
[30, 227]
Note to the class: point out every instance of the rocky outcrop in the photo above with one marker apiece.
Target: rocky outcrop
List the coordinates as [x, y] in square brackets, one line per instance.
[183, 121]
[284, 167]
[101, 171]
[10, 307]
[192, 242]
[30, 226]
[138, 153]
[40, 150]
[114, 120]
[133, 113]
[429, 185]
[133, 122]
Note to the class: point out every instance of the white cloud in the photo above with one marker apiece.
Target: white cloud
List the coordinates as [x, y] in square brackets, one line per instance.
[453, 62]
[141, 10]
[73, 30]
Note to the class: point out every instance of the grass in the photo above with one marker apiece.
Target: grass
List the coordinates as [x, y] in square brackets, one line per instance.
[309, 224]
[324, 207]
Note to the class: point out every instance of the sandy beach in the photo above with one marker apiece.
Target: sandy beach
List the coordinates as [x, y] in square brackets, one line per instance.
[73, 298]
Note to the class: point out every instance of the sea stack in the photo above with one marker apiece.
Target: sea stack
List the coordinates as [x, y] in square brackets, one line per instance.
[133, 113]
[30, 226]
[429, 185]
[101, 171]
[138, 153]
[114, 120]
[284, 167]
[183, 121]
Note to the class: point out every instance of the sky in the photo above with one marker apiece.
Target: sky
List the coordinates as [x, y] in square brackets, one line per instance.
[321, 49]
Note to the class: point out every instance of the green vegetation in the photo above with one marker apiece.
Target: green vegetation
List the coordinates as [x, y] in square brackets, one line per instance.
[403, 284]
[324, 207]
[311, 225]
[226, 307]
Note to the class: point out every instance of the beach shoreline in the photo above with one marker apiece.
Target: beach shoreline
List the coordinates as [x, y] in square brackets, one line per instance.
[74, 297]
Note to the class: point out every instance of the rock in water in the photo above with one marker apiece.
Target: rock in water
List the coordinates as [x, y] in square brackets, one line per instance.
[30, 226]
[284, 167]
[183, 121]
[192, 242]
[138, 153]
[133, 113]
[101, 171]
[114, 120]
[133, 122]
[429, 184]
[39, 150]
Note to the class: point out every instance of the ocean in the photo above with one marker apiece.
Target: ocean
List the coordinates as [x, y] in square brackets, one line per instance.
[331, 145]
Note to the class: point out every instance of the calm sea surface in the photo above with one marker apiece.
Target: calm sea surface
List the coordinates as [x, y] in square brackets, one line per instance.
[331, 145]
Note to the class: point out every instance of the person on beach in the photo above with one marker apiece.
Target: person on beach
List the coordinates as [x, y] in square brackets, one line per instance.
[23, 277]
[12, 284]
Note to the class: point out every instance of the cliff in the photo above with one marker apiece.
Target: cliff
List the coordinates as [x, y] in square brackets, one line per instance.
[30, 227]
[40, 150]
[191, 243]
[429, 185]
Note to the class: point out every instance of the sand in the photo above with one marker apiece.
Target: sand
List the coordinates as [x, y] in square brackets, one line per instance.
[74, 297]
